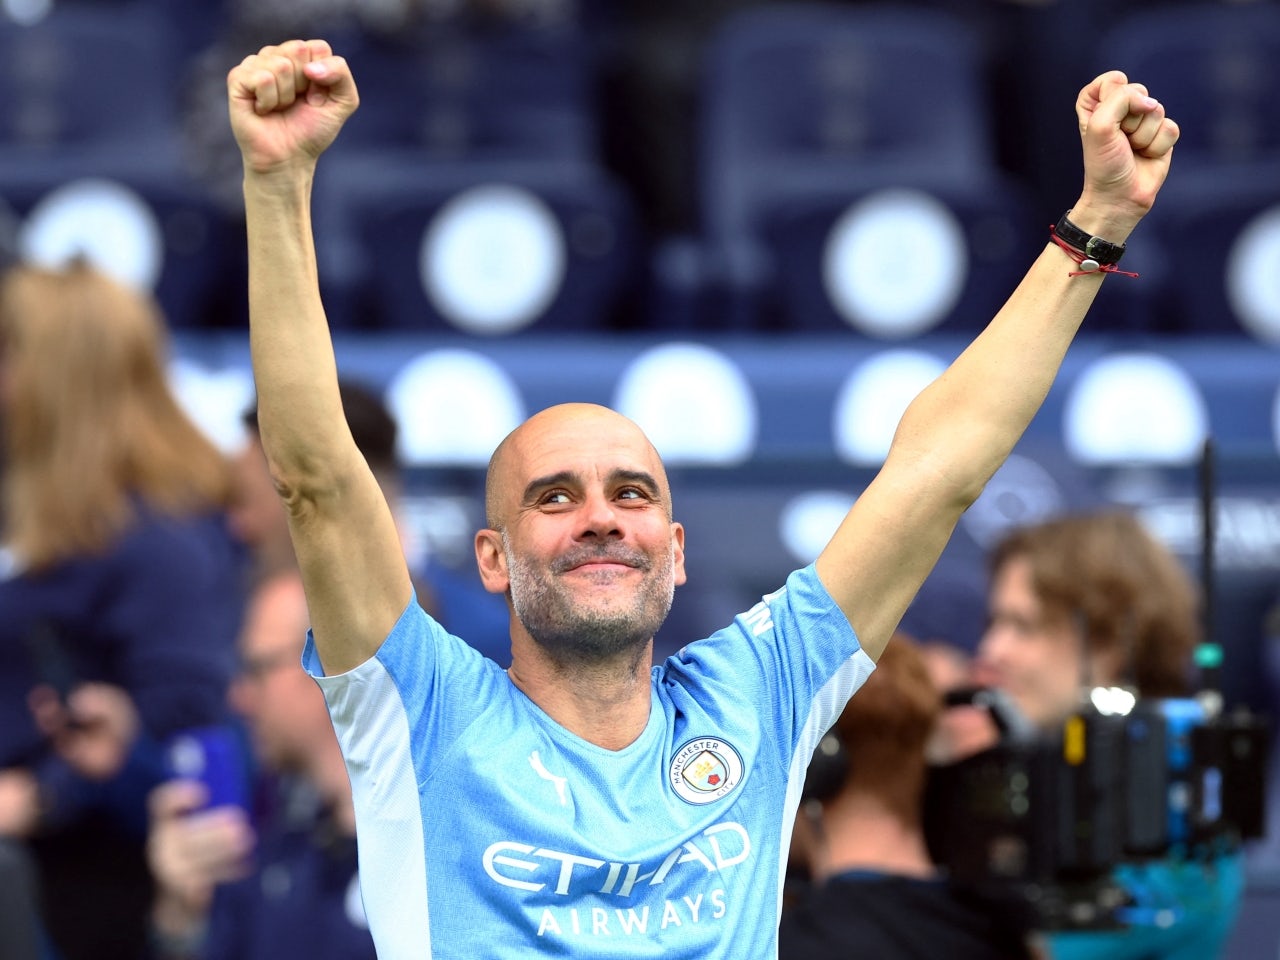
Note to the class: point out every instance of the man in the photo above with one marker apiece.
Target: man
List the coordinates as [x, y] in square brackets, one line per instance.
[578, 802]
[1080, 600]
[285, 886]
[230, 885]
[1095, 600]
[874, 889]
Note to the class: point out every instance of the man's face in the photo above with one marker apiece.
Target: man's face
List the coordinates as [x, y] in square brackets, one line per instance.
[257, 516]
[1036, 661]
[281, 705]
[589, 553]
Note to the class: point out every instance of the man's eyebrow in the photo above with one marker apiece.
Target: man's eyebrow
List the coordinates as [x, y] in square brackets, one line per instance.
[568, 478]
[640, 477]
[538, 484]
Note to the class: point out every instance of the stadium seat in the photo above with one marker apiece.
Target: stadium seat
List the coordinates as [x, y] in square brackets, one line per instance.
[454, 91]
[486, 249]
[896, 257]
[1218, 234]
[91, 158]
[89, 75]
[798, 98]
[144, 223]
[1215, 67]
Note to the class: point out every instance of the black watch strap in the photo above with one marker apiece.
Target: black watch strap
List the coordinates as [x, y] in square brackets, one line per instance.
[1102, 252]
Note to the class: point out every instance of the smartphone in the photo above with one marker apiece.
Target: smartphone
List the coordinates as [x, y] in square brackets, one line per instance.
[214, 755]
[51, 661]
[53, 665]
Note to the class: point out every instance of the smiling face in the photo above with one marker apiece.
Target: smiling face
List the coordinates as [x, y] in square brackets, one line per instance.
[581, 537]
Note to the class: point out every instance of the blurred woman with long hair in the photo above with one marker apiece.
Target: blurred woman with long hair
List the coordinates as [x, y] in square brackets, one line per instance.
[117, 568]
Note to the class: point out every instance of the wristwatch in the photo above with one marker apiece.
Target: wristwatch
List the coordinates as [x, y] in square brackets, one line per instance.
[1101, 252]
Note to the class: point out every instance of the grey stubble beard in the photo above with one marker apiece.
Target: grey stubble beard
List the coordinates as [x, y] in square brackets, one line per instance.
[571, 634]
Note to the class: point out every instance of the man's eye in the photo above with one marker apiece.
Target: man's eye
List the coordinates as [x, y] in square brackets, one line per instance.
[555, 496]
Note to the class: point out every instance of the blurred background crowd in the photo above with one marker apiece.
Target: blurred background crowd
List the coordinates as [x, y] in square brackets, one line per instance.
[758, 227]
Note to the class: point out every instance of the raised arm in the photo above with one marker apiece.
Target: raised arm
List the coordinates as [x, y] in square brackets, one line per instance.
[287, 104]
[959, 430]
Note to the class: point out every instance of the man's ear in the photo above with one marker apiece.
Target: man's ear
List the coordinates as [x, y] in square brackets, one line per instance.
[491, 560]
[677, 546]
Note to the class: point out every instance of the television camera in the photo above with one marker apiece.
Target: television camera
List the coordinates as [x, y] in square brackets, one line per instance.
[1124, 780]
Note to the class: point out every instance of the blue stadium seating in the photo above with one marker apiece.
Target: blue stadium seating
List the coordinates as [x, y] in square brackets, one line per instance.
[1215, 67]
[90, 75]
[895, 257]
[486, 247]
[798, 98]
[453, 92]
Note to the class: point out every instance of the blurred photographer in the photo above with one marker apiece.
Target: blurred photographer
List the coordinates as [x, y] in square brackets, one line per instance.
[1094, 602]
[873, 890]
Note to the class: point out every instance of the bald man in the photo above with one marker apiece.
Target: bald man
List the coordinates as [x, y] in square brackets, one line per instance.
[583, 803]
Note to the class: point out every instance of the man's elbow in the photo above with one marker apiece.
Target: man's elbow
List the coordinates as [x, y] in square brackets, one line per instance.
[301, 482]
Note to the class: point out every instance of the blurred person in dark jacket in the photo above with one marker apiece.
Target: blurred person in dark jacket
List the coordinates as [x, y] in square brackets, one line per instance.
[872, 888]
[117, 568]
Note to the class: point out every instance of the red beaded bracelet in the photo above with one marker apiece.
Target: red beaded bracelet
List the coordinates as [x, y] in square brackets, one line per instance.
[1087, 264]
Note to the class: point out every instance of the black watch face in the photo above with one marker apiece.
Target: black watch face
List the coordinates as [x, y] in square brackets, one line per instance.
[1102, 251]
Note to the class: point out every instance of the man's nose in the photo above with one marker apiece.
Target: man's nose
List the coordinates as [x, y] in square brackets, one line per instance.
[600, 517]
[993, 644]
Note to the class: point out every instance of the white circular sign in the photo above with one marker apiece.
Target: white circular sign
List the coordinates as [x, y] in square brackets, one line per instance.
[1021, 492]
[1253, 276]
[873, 398]
[492, 259]
[692, 401]
[809, 520]
[895, 263]
[105, 222]
[453, 407]
[1135, 407]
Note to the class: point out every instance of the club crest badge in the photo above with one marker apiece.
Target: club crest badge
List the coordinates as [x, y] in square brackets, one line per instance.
[705, 769]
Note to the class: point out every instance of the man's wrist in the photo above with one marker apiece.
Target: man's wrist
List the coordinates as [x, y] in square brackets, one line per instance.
[1094, 252]
[292, 182]
[1107, 222]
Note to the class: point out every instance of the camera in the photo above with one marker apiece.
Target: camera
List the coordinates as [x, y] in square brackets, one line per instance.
[1047, 818]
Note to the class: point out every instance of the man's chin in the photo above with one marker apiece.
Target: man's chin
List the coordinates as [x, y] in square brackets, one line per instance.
[606, 636]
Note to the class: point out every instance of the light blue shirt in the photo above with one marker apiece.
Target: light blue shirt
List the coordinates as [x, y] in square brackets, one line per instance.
[487, 830]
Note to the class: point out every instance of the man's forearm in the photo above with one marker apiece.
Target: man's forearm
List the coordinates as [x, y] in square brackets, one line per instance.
[968, 420]
[293, 361]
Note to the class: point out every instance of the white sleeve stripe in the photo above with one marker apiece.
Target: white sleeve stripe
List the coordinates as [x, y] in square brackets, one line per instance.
[823, 711]
[373, 729]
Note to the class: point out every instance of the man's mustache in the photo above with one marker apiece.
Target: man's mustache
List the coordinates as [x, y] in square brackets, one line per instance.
[601, 554]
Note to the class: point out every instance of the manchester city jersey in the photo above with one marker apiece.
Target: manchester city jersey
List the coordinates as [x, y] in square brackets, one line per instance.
[487, 830]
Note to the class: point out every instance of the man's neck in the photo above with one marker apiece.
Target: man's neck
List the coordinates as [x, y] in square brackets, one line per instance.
[861, 834]
[606, 703]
